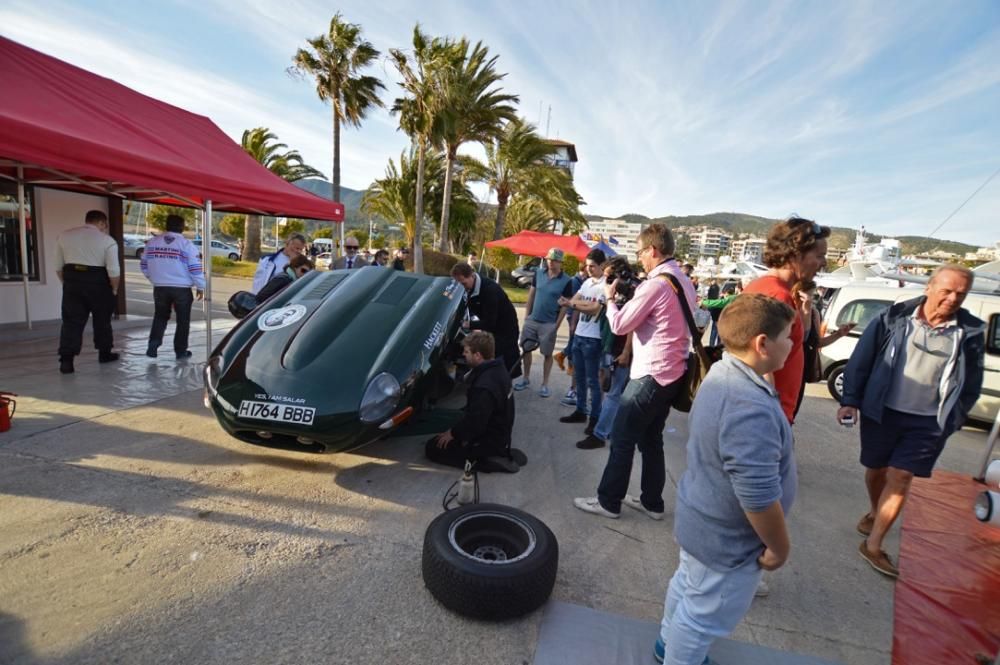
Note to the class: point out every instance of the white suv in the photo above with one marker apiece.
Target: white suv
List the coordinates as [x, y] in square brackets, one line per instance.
[862, 303]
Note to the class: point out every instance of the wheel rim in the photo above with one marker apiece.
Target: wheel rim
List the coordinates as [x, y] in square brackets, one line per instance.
[838, 384]
[492, 538]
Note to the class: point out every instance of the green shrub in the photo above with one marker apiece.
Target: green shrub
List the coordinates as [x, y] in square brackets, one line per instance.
[436, 263]
[502, 258]
[223, 266]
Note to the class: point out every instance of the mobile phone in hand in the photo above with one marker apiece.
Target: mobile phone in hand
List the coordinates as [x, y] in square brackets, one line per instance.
[847, 421]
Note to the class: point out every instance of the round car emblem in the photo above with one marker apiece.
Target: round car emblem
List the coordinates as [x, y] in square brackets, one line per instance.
[273, 319]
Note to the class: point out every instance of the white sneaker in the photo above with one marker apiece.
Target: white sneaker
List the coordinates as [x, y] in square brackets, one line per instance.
[763, 589]
[635, 503]
[590, 504]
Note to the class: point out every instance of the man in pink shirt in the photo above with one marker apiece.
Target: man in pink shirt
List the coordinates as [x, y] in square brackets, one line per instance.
[660, 344]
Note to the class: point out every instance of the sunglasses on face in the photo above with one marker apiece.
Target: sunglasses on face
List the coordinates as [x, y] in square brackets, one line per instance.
[351, 248]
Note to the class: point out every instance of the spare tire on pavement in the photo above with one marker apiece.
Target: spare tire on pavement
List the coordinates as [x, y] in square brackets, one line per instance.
[488, 561]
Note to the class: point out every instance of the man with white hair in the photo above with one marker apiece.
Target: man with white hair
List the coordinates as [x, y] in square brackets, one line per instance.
[913, 377]
[273, 264]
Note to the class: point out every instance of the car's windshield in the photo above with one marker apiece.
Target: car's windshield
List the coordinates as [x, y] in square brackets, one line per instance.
[861, 312]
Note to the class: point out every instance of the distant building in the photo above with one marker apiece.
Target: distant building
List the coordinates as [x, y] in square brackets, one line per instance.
[748, 249]
[709, 242]
[564, 156]
[626, 234]
[835, 253]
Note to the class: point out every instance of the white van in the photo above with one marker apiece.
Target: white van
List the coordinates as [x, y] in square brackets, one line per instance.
[863, 302]
[323, 244]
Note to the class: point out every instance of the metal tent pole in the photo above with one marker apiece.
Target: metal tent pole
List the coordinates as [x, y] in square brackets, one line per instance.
[23, 229]
[206, 244]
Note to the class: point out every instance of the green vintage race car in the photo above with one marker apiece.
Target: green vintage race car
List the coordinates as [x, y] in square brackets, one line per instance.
[337, 359]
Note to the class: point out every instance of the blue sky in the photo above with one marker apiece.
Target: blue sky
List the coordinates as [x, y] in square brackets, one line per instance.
[885, 114]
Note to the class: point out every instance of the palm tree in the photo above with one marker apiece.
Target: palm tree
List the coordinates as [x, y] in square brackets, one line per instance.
[261, 144]
[548, 197]
[394, 196]
[335, 60]
[470, 108]
[416, 115]
[512, 164]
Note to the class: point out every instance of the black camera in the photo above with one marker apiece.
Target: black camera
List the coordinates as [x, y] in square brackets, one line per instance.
[627, 281]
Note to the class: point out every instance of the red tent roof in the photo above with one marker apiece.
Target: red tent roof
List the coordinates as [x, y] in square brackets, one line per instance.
[533, 243]
[72, 129]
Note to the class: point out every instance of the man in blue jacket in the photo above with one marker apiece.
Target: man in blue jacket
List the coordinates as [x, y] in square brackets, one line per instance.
[914, 376]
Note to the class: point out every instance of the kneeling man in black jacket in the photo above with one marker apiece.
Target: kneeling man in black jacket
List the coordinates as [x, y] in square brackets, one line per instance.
[485, 428]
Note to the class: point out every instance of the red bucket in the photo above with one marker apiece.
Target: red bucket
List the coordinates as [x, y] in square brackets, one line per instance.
[7, 408]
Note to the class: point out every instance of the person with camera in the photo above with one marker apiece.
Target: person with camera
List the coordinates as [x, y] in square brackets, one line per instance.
[587, 304]
[660, 343]
[618, 358]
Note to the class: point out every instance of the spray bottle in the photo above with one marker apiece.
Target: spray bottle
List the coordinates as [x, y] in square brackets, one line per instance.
[467, 486]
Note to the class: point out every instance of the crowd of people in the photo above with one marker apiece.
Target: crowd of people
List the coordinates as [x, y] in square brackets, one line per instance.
[914, 375]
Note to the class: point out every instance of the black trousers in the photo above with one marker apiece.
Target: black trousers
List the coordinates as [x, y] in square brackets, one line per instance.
[180, 299]
[86, 293]
[457, 453]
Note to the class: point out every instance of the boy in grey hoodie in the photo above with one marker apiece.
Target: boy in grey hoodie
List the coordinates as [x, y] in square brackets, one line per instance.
[739, 483]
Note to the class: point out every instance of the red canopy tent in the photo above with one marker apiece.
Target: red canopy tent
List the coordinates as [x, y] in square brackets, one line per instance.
[72, 129]
[67, 128]
[534, 243]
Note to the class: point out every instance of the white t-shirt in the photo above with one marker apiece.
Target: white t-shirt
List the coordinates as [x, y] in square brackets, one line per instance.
[591, 291]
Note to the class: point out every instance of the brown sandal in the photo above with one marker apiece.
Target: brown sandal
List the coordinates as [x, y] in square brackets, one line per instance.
[880, 561]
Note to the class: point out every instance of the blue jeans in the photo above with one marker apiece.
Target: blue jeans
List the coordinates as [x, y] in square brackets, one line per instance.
[586, 368]
[703, 604]
[639, 424]
[609, 405]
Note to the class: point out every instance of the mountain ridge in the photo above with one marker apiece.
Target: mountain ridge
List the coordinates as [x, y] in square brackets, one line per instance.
[733, 222]
[841, 237]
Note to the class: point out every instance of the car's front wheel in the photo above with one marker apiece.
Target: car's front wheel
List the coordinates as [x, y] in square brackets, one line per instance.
[234, 257]
[138, 253]
[835, 383]
[489, 561]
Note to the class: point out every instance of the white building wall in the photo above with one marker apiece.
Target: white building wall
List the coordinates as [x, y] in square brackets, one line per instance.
[55, 211]
[626, 233]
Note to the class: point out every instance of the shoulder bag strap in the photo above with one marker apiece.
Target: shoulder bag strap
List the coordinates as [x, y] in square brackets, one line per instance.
[695, 336]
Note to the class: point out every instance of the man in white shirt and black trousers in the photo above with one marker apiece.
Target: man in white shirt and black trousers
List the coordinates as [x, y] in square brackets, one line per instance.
[173, 264]
[87, 266]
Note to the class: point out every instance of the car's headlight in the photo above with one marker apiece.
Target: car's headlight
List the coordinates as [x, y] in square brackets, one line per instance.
[380, 398]
[213, 372]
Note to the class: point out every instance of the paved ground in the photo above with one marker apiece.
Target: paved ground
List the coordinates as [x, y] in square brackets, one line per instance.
[135, 531]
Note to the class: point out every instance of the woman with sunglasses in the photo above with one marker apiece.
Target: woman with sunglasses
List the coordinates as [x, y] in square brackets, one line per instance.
[296, 268]
[795, 251]
[399, 263]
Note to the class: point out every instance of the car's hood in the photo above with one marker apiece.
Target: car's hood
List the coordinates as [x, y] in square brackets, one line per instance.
[321, 340]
